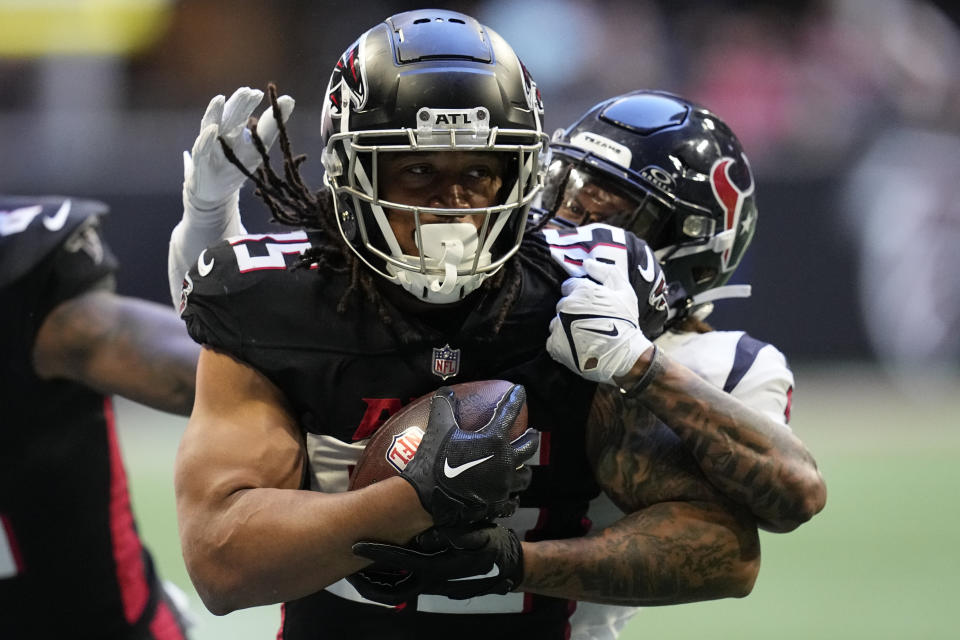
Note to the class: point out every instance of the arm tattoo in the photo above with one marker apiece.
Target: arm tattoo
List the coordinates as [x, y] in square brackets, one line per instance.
[751, 459]
[636, 458]
[681, 542]
[668, 553]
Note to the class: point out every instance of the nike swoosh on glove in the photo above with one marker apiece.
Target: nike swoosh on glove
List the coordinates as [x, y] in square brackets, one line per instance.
[209, 179]
[467, 476]
[457, 563]
[596, 330]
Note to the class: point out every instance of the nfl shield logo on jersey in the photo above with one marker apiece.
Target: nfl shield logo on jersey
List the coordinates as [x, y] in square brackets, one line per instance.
[446, 361]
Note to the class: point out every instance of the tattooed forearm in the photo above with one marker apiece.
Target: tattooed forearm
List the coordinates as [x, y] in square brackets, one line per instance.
[637, 459]
[751, 459]
[666, 554]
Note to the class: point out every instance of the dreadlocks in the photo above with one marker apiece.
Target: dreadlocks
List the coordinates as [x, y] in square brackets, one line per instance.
[292, 203]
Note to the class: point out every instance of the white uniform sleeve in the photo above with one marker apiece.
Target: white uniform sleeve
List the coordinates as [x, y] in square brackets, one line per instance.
[754, 372]
[193, 234]
[767, 386]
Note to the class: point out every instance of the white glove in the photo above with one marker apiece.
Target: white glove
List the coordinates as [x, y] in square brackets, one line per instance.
[595, 332]
[211, 184]
[209, 179]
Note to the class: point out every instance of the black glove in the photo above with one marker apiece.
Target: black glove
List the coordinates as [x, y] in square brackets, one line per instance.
[457, 563]
[462, 476]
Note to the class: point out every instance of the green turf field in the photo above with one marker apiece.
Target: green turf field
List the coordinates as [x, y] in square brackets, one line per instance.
[881, 561]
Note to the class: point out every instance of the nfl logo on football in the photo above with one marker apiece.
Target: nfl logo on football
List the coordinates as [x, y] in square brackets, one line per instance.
[446, 361]
[404, 447]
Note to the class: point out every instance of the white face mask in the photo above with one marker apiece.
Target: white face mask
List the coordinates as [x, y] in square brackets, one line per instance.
[446, 247]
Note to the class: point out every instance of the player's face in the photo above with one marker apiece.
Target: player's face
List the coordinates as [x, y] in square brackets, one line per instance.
[447, 179]
[588, 199]
[591, 203]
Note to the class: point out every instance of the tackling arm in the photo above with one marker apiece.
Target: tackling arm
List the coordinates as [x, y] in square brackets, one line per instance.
[680, 542]
[749, 457]
[249, 535]
[752, 459]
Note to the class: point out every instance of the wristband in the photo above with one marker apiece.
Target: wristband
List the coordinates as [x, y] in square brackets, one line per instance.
[654, 369]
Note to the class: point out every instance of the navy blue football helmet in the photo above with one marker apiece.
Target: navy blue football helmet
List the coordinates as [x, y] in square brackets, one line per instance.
[671, 172]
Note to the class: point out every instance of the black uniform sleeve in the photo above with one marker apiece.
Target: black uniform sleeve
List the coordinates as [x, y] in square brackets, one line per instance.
[210, 306]
[82, 262]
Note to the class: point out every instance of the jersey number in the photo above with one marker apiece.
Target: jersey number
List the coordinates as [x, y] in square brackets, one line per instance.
[282, 245]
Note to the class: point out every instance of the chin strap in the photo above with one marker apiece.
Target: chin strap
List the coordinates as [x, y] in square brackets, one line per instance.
[701, 305]
[721, 293]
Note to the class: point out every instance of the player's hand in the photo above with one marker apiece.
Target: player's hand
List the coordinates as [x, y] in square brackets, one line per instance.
[463, 476]
[209, 179]
[457, 563]
[596, 332]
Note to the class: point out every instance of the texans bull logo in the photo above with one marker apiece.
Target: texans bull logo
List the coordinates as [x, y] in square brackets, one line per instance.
[729, 195]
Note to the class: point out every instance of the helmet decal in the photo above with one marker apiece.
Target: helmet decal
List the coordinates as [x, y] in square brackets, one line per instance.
[348, 74]
[729, 195]
[534, 99]
[659, 177]
[603, 147]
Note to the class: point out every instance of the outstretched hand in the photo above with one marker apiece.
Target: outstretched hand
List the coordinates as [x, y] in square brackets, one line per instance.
[209, 178]
[468, 476]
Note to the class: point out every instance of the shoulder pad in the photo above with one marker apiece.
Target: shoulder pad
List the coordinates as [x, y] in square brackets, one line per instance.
[32, 227]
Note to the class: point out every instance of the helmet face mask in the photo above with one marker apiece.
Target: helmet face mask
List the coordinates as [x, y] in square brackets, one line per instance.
[684, 174]
[471, 97]
[583, 196]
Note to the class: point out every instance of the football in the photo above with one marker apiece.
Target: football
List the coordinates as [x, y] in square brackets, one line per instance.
[394, 444]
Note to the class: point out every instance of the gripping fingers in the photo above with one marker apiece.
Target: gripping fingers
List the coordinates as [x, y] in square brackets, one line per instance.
[508, 408]
[390, 554]
[581, 288]
[442, 408]
[526, 445]
[521, 479]
[609, 275]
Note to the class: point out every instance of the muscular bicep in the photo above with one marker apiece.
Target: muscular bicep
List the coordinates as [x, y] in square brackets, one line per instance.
[241, 435]
[637, 460]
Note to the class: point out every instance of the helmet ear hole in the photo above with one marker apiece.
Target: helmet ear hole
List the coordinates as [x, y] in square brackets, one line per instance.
[348, 221]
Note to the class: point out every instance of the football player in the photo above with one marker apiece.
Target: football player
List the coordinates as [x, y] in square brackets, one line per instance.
[673, 173]
[71, 562]
[416, 266]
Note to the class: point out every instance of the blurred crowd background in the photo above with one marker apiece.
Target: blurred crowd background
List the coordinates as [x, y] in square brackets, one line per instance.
[850, 114]
[849, 111]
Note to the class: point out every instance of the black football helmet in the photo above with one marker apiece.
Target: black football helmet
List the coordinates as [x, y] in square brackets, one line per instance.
[671, 172]
[431, 81]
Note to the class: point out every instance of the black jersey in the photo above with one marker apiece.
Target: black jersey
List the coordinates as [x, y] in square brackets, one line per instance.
[71, 562]
[345, 373]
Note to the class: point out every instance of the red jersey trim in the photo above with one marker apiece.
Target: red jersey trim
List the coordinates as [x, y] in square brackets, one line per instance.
[127, 550]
